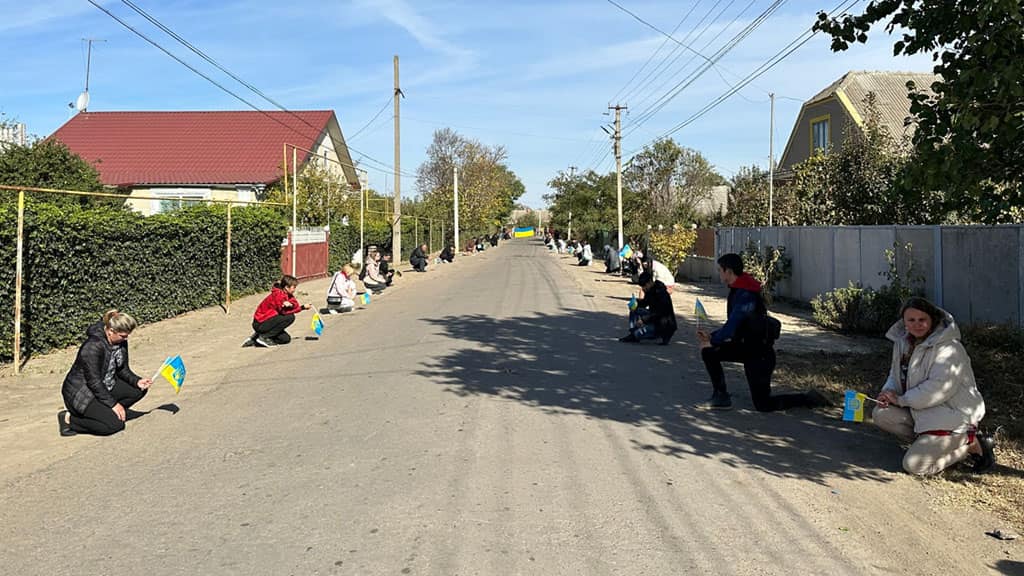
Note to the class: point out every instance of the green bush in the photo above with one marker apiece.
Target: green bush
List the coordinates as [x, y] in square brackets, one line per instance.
[79, 262]
[345, 240]
[856, 309]
[867, 311]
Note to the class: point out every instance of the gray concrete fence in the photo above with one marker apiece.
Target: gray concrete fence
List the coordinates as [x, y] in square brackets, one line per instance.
[975, 272]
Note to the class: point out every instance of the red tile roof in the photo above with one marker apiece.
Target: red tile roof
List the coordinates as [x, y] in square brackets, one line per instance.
[132, 148]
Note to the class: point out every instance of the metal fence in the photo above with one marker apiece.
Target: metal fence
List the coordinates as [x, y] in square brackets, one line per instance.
[975, 272]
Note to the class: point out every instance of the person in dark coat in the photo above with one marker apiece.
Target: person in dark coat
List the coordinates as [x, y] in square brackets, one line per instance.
[418, 259]
[100, 387]
[448, 254]
[747, 337]
[654, 317]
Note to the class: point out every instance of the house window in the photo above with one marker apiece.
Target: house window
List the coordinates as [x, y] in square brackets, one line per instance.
[175, 198]
[820, 132]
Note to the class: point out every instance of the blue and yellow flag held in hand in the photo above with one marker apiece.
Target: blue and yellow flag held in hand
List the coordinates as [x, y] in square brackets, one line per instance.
[633, 303]
[364, 298]
[853, 406]
[317, 324]
[626, 252]
[174, 371]
[699, 311]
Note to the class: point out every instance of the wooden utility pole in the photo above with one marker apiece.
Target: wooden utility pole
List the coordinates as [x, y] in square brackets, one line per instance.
[771, 158]
[618, 165]
[572, 176]
[396, 225]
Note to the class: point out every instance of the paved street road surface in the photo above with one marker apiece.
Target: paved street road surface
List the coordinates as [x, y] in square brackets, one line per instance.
[480, 420]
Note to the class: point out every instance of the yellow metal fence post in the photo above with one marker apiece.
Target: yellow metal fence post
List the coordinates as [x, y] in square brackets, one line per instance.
[227, 281]
[17, 282]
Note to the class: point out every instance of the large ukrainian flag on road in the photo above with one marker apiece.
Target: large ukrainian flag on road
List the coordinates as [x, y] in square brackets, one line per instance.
[524, 232]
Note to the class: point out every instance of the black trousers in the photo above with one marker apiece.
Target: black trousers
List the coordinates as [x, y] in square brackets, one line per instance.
[101, 420]
[758, 366]
[418, 264]
[274, 328]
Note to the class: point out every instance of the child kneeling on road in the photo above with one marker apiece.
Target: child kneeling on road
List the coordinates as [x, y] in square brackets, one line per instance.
[275, 314]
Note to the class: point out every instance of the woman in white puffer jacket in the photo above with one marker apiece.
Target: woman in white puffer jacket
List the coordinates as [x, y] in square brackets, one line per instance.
[930, 399]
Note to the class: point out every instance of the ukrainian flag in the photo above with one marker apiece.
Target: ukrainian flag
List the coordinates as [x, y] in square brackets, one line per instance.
[853, 406]
[626, 253]
[364, 298]
[523, 232]
[699, 311]
[174, 371]
[633, 303]
[317, 324]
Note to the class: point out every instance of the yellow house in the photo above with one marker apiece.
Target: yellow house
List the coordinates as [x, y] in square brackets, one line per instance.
[180, 157]
[823, 119]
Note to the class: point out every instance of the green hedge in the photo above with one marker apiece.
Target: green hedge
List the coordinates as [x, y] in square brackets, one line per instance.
[80, 262]
[345, 241]
[856, 309]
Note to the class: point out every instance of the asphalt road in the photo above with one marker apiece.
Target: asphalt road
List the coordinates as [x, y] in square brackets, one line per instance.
[478, 422]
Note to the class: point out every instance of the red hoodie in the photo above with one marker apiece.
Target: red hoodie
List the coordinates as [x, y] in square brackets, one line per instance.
[746, 282]
[273, 305]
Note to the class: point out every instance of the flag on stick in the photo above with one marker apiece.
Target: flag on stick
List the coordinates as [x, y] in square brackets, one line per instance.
[853, 406]
[699, 311]
[364, 298]
[173, 370]
[626, 252]
[317, 324]
[633, 303]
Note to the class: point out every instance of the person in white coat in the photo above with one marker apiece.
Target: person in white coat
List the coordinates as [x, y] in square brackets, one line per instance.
[930, 399]
[341, 294]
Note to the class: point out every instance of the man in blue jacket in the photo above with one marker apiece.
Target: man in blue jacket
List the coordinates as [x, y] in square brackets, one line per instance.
[748, 336]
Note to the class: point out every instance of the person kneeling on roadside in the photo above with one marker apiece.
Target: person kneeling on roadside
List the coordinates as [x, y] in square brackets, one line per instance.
[275, 314]
[448, 254]
[418, 258]
[654, 317]
[100, 387]
[748, 336]
[341, 295]
[930, 399]
[371, 276]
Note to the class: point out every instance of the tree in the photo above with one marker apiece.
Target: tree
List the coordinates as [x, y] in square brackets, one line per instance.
[969, 134]
[49, 164]
[863, 182]
[591, 198]
[488, 189]
[748, 198]
[670, 181]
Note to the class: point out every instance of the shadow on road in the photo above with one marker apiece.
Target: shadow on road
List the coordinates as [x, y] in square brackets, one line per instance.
[571, 363]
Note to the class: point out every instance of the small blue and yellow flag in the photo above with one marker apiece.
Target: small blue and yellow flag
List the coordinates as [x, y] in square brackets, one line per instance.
[699, 311]
[525, 232]
[626, 252]
[364, 298]
[633, 303]
[853, 406]
[174, 371]
[317, 324]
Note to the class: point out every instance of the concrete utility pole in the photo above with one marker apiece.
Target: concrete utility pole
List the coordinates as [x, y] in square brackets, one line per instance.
[396, 226]
[572, 176]
[618, 164]
[771, 158]
[456, 180]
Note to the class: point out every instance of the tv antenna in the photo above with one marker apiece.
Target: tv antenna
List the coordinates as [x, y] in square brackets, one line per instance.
[82, 104]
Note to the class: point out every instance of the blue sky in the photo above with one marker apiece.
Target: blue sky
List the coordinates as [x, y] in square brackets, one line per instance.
[533, 76]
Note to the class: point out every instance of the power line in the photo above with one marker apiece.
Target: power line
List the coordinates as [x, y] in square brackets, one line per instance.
[675, 54]
[375, 116]
[767, 65]
[693, 77]
[656, 51]
[211, 80]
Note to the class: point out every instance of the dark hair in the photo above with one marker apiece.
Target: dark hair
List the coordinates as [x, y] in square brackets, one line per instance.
[922, 304]
[286, 281]
[645, 278]
[731, 262]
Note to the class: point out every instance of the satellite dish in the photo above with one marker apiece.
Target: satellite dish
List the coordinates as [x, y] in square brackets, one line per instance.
[83, 101]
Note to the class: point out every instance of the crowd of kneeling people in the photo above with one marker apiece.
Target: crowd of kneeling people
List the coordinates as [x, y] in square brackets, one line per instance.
[100, 386]
[929, 401]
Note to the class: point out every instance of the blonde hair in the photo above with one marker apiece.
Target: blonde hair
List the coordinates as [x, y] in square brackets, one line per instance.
[119, 322]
